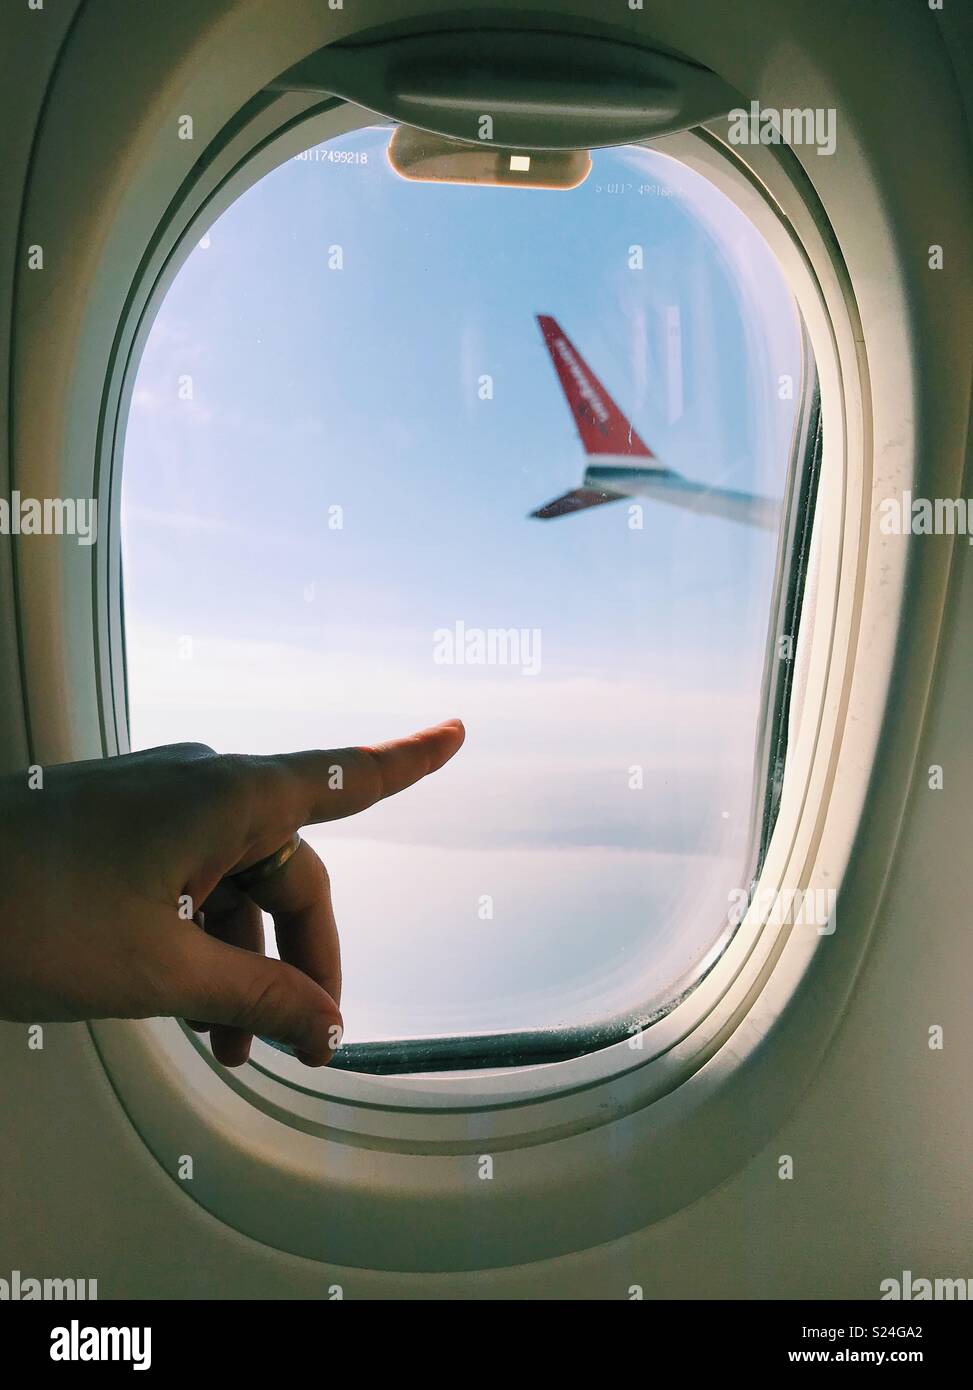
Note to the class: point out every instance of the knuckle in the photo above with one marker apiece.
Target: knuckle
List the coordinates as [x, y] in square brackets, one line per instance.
[252, 779]
[319, 870]
[194, 761]
[222, 777]
[267, 1001]
[194, 751]
[371, 761]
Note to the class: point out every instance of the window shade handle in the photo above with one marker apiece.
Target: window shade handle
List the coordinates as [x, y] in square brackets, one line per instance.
[523, 89]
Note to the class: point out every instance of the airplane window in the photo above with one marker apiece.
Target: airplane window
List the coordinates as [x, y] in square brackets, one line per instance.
[399, 451]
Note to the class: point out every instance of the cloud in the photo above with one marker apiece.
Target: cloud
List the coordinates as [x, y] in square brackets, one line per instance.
[545, 764]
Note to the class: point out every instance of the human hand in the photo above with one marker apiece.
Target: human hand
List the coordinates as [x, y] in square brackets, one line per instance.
[114, 901]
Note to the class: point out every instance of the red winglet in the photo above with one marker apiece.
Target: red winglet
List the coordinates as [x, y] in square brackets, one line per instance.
[602, 426]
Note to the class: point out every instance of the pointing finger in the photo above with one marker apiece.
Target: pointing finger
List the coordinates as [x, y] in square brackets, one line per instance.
[310, 787]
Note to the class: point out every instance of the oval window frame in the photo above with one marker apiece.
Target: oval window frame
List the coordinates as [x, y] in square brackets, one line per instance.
[519, 1109]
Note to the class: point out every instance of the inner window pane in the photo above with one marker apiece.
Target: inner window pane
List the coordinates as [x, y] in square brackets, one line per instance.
[350, 403]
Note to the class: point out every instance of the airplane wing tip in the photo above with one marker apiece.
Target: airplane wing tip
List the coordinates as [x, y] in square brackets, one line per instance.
[578, 499]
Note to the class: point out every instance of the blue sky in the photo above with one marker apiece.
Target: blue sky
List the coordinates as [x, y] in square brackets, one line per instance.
[315, 388]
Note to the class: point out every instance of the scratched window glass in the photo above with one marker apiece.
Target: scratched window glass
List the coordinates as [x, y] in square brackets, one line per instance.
[401, 451]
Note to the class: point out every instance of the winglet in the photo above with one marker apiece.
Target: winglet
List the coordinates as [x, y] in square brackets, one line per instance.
[602, 426]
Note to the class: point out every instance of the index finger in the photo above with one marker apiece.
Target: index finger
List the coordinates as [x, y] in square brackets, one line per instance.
[327, 785]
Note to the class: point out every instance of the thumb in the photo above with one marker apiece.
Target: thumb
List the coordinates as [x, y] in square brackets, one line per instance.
[257, 994]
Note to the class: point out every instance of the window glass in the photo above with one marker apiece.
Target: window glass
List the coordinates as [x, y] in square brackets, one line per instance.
[357, 391]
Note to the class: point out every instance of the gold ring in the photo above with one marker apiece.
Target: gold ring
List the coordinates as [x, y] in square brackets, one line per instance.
[265, 868]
